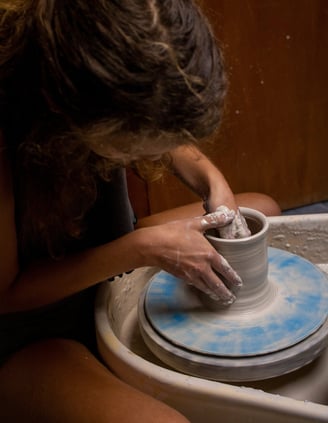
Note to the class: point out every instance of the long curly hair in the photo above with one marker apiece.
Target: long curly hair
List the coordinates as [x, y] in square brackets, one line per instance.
[86, 86]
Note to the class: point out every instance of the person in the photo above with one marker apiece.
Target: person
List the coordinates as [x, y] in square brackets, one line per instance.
[86, 90]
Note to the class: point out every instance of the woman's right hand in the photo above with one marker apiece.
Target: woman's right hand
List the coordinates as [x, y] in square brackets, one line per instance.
[180, 247]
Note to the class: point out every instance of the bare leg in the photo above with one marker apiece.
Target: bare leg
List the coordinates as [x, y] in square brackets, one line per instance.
[254, 200]
[60, 381]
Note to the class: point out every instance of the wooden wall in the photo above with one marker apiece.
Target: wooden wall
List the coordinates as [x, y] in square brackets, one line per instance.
[274, 137]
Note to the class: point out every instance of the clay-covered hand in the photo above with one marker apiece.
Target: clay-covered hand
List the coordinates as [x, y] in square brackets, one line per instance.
[237, 228]
[181, 248]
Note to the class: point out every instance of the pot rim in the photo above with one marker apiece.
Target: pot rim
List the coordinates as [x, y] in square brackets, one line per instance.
[246, 212]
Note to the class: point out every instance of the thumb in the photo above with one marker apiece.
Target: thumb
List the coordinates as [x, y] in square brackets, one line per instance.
[217, 219]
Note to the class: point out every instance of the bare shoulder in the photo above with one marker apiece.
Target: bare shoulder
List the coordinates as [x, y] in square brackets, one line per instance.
[8, 241]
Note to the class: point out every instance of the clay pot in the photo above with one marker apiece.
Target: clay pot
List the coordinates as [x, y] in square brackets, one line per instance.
[249, 258]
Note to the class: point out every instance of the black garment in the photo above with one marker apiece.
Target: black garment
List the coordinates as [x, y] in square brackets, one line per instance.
[73, 317]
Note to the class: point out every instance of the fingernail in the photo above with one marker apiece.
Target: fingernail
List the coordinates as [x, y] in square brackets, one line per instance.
[239, 282]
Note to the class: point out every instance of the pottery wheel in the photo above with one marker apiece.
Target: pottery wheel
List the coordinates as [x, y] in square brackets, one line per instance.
[289, 332]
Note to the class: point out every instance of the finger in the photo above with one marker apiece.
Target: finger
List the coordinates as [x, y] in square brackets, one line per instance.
[229, 276]
[199, 284]
[216, 219]
[236, 229]
[214, 288]
[243, 230]
[217, 290]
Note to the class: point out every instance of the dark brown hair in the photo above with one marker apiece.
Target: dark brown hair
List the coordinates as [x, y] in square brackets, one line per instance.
[75, 76]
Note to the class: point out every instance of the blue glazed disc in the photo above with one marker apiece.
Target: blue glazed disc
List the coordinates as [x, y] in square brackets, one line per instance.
[297, 310]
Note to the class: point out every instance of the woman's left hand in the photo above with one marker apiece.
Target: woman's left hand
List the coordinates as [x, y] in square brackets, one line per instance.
[180, 248]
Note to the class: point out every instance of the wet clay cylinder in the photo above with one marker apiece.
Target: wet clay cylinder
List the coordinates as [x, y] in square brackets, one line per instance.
[249, 258]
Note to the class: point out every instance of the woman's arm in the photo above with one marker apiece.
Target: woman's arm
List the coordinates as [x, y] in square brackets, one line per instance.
[177, 247]
[198, 172]
[203, 177]
[46, 281]
[206, 180]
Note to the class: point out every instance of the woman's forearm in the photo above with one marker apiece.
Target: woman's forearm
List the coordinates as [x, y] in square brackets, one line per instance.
[47, 281]
[178, 247]
[202, 176]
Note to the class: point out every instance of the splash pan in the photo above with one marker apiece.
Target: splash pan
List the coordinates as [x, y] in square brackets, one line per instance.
[296, 397]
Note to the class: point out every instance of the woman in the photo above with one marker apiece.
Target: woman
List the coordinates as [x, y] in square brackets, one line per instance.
[88, 88]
